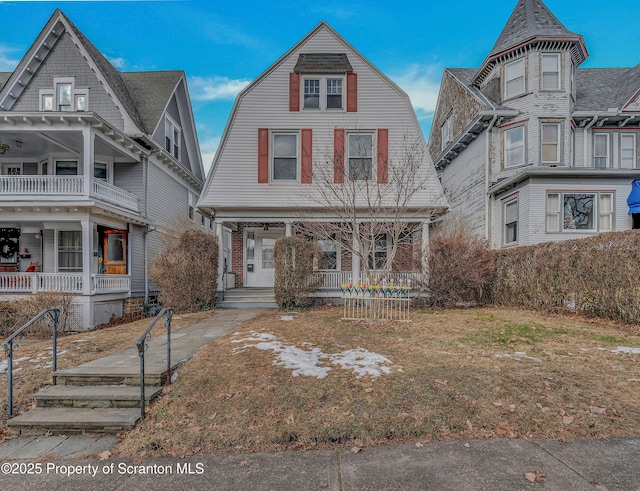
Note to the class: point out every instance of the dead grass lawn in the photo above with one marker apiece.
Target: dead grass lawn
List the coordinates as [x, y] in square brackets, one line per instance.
[454, 374]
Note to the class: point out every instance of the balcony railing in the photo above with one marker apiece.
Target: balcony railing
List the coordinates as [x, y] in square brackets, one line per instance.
[39, 187]
[62, 282]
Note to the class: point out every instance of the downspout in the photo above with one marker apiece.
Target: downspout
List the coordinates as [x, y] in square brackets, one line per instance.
[584, 139]
[145, 169]
[487, 178]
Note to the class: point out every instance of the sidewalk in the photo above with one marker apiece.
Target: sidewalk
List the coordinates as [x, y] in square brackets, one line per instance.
[496, 464]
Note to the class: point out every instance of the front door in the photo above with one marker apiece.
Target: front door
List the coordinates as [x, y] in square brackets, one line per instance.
[114, 248]
[260, 264]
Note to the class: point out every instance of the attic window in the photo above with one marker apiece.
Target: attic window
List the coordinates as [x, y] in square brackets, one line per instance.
[64, 96]
[172, 137]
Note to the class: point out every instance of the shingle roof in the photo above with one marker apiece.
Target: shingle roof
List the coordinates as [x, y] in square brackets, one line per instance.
[466, 76]
[599, 89]
[530, 18]
[323, 63]
[150, 91]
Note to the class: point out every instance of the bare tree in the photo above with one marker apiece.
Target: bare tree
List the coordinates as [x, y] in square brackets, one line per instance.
[360, 208]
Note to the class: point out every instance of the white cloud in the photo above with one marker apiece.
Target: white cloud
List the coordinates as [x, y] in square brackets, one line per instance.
[119, 62]
[208, 149]
[422, 83]
[7, 62]
[215, 88]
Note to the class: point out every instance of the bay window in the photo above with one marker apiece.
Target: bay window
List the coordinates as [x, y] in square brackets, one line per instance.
[510, 216]
[514, 77]
[601, 150]
[514, 147]
[628, 151]
[568, 212]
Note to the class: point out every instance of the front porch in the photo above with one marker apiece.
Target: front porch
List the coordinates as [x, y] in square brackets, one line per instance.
[11, 283]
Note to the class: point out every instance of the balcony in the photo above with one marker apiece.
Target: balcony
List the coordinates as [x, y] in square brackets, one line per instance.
[62, 282]
[38, 188]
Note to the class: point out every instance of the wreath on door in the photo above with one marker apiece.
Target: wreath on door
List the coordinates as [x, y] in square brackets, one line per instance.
[8, 248]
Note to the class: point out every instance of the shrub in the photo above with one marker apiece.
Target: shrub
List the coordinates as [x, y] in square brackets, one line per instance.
[187, 272]
[295, 260]
[461, 268]
[15, 314]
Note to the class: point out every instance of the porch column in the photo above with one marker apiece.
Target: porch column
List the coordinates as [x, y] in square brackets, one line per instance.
[355, 258]
[220, 235]
[87, 255]
[287, 229]
[424, 246]
[87, 160]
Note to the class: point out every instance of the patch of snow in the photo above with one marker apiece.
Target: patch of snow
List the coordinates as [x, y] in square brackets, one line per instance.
[286, 317]
[174, 377]
[309, 362]
[624, 349]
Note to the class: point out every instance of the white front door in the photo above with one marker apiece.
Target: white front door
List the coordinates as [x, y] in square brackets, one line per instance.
[260, 264]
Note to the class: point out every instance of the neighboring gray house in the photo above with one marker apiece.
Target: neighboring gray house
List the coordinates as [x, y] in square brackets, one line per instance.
[529, 147]
[97, 167]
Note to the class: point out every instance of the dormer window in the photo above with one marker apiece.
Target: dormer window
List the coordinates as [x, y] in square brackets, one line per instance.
[323, 81]
[64, 96]
[514, 80]
[322, 92]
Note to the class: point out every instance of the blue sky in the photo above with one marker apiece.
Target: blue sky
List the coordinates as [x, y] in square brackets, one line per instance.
[224, 45]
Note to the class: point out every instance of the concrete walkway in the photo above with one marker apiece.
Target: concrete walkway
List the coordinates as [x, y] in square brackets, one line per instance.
[184, 344]
[496, 464]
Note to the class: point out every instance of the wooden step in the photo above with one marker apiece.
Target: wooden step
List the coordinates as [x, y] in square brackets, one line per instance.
[89, 396]
[74, 421]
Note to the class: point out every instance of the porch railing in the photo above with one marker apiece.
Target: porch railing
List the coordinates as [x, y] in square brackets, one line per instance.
[42, 186]
[333, 280]
[40, 282]
[106, 283]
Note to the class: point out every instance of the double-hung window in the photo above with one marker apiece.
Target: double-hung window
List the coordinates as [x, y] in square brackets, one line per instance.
[550, 143]
[285, 157]
[377, 252]
[323, 93]
[360, 154]
[514, 147]
[69, 250]
[329, 257]
[551, 71]
[628, 151]
[510, 214]
[514, 84]
[588, 212]
[601, 150]
[172, 138]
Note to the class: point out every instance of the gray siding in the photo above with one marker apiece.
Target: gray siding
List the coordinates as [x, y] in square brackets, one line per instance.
[136, 248]
[130, 177]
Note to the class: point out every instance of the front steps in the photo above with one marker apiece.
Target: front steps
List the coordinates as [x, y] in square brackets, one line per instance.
[248, 298]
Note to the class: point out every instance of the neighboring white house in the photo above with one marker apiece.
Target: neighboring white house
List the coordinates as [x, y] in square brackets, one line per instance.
[97, 166]
[321, 114]
[529, 147]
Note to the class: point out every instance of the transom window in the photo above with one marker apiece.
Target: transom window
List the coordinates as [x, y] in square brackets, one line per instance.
[510, 214]
[550, 143]
[551, 71]
[568, 212]
[514, 79]
[360, 155]
[323, 93]
[172, 137]
[601, 150]
[514, 147]
[64, 96]
[285, 157]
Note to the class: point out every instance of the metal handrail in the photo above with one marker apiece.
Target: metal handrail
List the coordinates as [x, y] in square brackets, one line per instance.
[8, 348]
[141, 344]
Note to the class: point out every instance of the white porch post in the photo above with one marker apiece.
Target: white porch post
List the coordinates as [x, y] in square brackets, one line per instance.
[220, 235]
[355, 258]
[87, 160]
[287, 229]
[87, 255]
[425, 247]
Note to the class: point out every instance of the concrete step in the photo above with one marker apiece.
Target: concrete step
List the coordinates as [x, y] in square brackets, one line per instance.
[90, 396]
[248, 298]
[74, 421]
[247, 305]
[85, 375]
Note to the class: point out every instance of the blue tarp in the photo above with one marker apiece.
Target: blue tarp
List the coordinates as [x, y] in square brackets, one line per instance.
[634, 197]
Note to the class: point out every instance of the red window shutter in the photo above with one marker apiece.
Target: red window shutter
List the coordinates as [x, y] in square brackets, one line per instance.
[306, 171]
[263, 154]
[338, 155]
[294, 91]
[352, 92]
[383, 155]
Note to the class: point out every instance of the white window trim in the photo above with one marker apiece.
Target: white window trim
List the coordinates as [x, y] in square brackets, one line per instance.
[506, 148]
[598, 213]
[505, 224]
[272, 156]
[191, 210]
[53, 93]
[558, 57]
[170, 127]
[608, 154]
[633, 159]
[373, 177]
[323, 92]
[521, 89]
[558, 142]
[446, 132]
